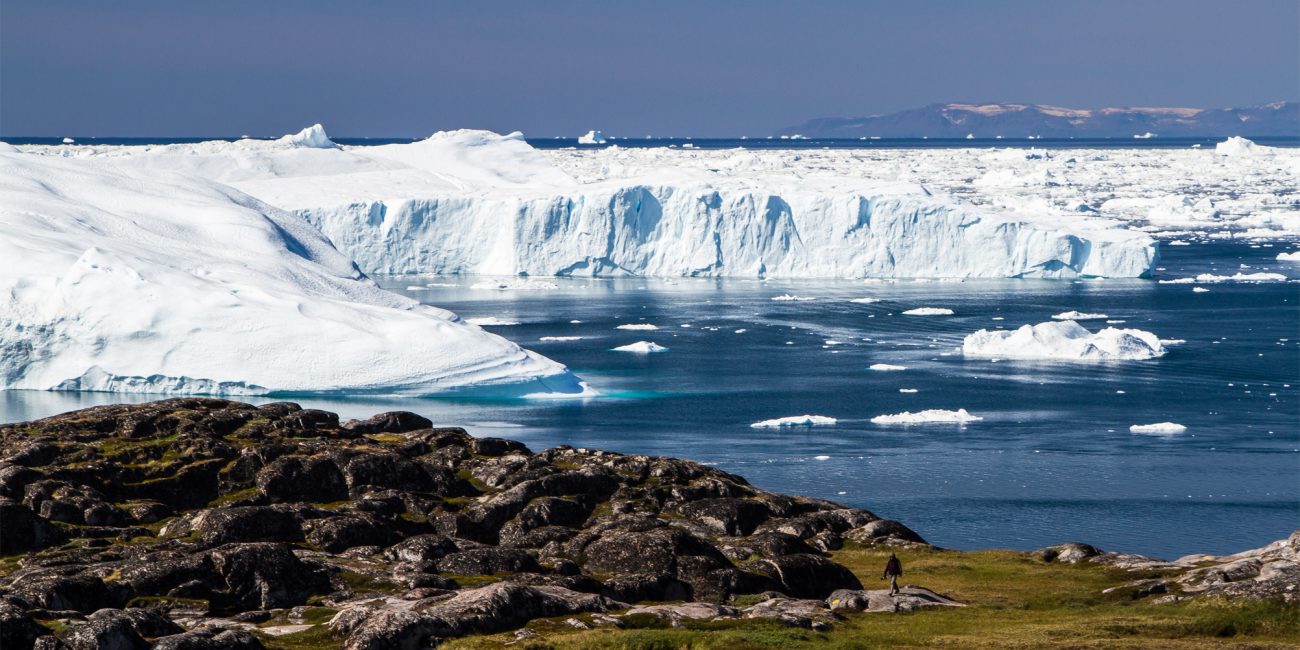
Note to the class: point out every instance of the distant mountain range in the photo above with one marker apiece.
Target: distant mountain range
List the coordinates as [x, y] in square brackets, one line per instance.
[1026, 120]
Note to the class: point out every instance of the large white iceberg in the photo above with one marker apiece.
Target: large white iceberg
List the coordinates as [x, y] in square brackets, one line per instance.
[478, 202]
[128, 278]
[1063, 340]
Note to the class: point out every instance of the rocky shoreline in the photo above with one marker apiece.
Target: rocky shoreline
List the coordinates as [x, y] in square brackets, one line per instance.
[206, 523]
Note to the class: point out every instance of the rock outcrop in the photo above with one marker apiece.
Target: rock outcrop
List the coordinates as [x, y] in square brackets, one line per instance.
[188, 523]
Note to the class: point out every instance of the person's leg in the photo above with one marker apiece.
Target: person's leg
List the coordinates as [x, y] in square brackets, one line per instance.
[893, 585]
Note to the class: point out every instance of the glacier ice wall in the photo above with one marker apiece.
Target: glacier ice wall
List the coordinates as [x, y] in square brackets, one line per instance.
[701, 230]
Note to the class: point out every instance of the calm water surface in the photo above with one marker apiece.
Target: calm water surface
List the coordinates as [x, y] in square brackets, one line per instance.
[1053, 460]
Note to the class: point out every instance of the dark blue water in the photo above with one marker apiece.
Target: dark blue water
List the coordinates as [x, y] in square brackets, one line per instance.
[1052, 461]
[759, 142]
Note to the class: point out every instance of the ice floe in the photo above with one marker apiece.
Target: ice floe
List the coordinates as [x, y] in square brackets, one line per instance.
[1159, 428]
[792, 298]
[491, 321]
[929, 311]
[1293, 256]
[795, 421]
[928, 416]
[637, 326]
[885, 367]
[1078, 315]
[1063, 340]
[641, 347]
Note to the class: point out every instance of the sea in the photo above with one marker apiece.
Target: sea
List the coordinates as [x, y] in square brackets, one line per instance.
[1052, 460]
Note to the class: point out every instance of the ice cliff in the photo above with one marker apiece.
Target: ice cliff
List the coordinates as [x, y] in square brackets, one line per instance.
[478, 202]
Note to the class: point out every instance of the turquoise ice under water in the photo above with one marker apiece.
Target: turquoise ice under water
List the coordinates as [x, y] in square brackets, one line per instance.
[1053, 459]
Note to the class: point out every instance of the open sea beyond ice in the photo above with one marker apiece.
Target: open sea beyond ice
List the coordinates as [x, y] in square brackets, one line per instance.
[1053, 459]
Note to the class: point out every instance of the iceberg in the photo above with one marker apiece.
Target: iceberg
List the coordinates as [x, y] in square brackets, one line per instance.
[1293, 256]
[474, 202]
[592, 137]
[928, 416]
[1078, 315]
[885, 367]
[637, 326]
[929, 311]
[136, 280]
[1238, 146]
[1159, 428]
[641, 347]
[795, 421]
[1063, 340]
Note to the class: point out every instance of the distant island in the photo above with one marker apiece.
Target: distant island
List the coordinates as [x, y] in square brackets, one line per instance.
[1037, 120]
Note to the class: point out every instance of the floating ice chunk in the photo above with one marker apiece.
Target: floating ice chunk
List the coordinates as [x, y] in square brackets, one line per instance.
[928, 311]
[885, 367]
[312, 137]
[821, 457]
[865, 301]
[1078, 315]
[795, 421]
[741, 331]
[637, 326]
[1238, 146]
[592, 137]
[792, 298]
[1172, 341]
[907, 390]
[1159, 428]
[1200, 290]
[641, 347]
[1293, 256]
[416, 287]
[560, 338]
[928, 416]
[1144, 136]
[1238, 277]
[1063, 340]
[490, 321]
[68, 141]
[1178, 242]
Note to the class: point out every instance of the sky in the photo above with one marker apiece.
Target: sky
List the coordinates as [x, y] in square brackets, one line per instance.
[668, 67]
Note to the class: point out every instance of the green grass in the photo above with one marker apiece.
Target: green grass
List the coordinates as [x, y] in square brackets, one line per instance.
[1014, 601]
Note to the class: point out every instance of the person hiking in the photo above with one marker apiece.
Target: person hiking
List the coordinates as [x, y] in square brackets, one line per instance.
[893, 569]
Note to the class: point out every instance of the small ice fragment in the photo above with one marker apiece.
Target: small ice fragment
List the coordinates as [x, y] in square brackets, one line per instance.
[885, 367]
[907, 390]
[641, 347]
[929, 416]
[821, 457]
[795, 421]
[560, 338]
[928, 311]
[1159, 428]
[490, 321]
[1078, 315]
[865, 301]
[786, 297]
[637, 326]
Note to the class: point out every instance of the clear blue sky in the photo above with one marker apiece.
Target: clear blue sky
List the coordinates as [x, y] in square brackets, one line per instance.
[663, 67]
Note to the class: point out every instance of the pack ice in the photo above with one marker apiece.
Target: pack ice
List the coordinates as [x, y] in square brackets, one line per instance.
[478, 202]
[1064, 340]
[120, 277]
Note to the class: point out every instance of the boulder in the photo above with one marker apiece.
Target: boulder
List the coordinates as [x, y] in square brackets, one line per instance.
[390, 422]
[210, 639]
[296, 478]
[108, 633]
[265, 576]
[883, 530]
[488, 561]
[726, 516]
[23, 530]
[17, 629]
[249, 524]
[1069, 553]
[803, 575]
[909, 598]
[337, 534]
[54, 590]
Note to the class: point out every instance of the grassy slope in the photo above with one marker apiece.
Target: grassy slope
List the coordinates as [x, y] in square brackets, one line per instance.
[1015, 602]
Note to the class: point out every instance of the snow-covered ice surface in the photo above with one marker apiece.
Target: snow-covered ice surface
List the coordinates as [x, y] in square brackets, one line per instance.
[928, 416]
[795, 421]
[1064, 340]
[478, 202]
[132, 279]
